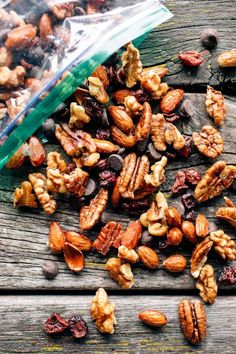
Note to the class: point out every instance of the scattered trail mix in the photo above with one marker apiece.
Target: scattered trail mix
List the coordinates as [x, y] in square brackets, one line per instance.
[116, 152]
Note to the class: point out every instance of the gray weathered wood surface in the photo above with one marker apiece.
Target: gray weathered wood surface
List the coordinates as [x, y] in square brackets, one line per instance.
[24, 233]
[21, 328]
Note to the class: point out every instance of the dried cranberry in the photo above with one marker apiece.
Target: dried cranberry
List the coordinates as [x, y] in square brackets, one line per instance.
[107, 178]
[179, 184]
[163, 245]
[92, 107]
[188, 201]
[191, 58]
[136, 207]
[115, 75]
[187, 149]
[70, 168]
[192, 176]
[142, 96]
[103, 134]
[101, 165]
[227, 274]
[55, 324]
[172, 117]
[78, 327]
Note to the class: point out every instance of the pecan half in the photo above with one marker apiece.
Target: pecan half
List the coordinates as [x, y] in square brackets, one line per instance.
[103, 312]
[227, 213]
[215, 105]
[192, 319]
[133, 174]
[68, 142]
[209, 142]
[56, 237]
[223, 245]
[131, 66]
[127, 255]
[109, 236]
[39, 183]
[207, 284]
[217, 178]
[199, 256]
[120, 272]
[74, 257]
[90, 215]
[130, 238]
[121, 118]
[122, 139]
[23, 196]
[157, 177]
[115, 197]
[143, 128]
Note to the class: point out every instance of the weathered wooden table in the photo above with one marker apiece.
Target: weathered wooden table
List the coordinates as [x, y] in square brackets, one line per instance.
[27, 298]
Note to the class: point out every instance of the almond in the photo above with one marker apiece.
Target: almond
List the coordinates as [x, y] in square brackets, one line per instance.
[174, 236]
[160, 70]
[45, 28]
[120, 95]
[171, 100]
[202, 226]
[189, 231]
[153, 318]
[78, 240]
[101, 73]
[56, 237]
[173, 217]
[121, 118]
[175, 263]
[74, 257]
[227, 59]
[132, 235]
[149, 257]
[20, 37]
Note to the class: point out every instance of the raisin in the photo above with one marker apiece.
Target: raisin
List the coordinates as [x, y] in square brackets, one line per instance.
[103, 134]
[188, 201]
[179, 184]
[163, 245]
[49, 128]
[136, 207]
[192, 176]
[107, 178]
[171, 118]
[78, 327]
[228, 275]
[142, 96]
[55, 324]
[50, 269]
[70, 168]
[93, 108]
[115, 75]
[191, 216]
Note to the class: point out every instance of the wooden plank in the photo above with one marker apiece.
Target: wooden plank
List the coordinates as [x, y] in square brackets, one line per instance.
[24, 233]
[21, 326]
[182, 33]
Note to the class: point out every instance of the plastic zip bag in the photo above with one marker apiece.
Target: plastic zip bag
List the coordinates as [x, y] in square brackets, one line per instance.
[92, 39]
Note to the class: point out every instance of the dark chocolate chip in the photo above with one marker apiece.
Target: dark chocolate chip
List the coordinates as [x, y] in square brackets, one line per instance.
[115, 162]
[90, 189]
[153, 154]
[50, 269]
[121, 151]
[209, 38]
[146, 238]
[187, 109]
[141, 146]
[48, 128]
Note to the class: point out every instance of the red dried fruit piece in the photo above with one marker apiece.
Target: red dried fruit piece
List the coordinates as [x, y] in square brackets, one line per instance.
[78, 327]
[179, 184]
[192, 176]
[191, 58]
[187, 149]
[55, 324]
[37, 152]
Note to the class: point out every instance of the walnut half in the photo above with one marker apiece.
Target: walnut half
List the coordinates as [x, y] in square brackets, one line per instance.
[103, 312]
[227, 213]
[207, 284]
[223, 245]
[120, 272]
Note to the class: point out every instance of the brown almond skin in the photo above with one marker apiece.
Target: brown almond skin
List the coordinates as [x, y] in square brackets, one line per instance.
[173, 217]
[148, 257]
[153, 318]
[132, 235]
[174, 236]
[78, 240]
[171, 100]
[56, 238]
[202, 226]
[175, 263]
[189, 231]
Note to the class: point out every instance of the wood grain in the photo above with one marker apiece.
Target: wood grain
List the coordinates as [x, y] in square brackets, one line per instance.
[182, 33]
[21, 329]
[24, 233]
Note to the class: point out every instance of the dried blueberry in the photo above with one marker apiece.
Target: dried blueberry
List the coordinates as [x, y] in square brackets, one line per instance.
[103, 134]
[141, 146]
[34, 55]
[115, 162]
[153, 154]
[49, 128]
[78, 327]
[163, 245]
[188, 201]
[146, 238]
[187, 109]
[90, 189]
[209, 38]
[50, 269]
